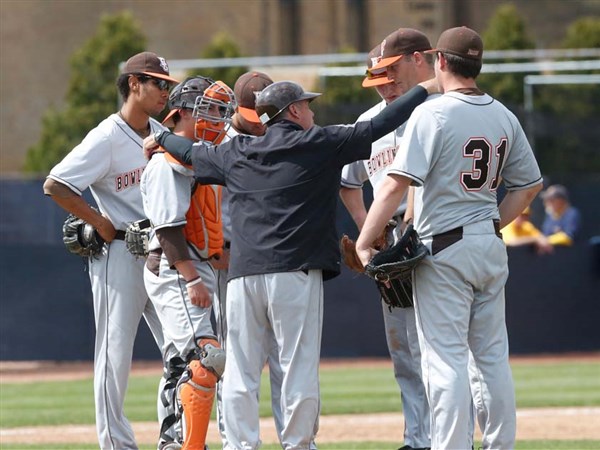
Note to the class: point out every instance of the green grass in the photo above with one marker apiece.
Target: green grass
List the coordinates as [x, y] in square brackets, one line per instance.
[344, 390]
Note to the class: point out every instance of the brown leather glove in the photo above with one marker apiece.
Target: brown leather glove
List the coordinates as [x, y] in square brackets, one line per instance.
[348, 250]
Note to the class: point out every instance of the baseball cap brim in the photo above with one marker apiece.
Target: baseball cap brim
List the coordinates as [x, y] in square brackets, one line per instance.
[162, 76]
[385, 62]
[376, 81]
[248, 114]
[168, 120]
[310, 96]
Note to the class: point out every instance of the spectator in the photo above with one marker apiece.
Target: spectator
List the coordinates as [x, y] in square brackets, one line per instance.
[562, 220]
[522, 232]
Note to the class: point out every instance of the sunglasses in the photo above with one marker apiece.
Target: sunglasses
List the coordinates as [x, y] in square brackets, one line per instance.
[161, 84]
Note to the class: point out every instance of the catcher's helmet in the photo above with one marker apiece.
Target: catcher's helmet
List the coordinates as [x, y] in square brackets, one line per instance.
[184, 95]
[275, 98]
[213, 111]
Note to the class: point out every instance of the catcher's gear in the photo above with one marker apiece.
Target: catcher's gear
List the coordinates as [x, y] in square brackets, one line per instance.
[137, 237]
[183, 96]
[275, 98]
[81, 238]
[213, 112]
[392, 268]
[196, 392]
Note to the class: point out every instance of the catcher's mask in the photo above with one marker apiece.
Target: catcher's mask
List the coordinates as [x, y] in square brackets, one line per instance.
[213, 112]
[275, 98]
[183, 96]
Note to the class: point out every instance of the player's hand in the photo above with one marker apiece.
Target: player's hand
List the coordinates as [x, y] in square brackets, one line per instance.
[365, 254]
[150, 146]
[221, 262]
[106, 229]
[199, 295]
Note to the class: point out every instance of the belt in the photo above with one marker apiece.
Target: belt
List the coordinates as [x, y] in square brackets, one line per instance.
[446, 239]
[120, 236]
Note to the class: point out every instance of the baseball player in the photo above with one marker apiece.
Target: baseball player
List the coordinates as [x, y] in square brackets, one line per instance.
[110, 162]
[245, 121]
[456, 149]
[283, 188]
[401, 55]
[179, 276]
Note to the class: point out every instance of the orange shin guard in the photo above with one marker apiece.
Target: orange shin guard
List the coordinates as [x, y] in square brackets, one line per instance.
[197, 392]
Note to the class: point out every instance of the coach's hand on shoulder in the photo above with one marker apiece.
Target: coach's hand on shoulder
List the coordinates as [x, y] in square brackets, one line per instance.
[150, 146]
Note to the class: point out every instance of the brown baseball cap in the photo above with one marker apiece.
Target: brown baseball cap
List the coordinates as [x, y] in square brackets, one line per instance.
[376, 77]
[403, 41]
[460, 41]
[150, 64]
[247, 88]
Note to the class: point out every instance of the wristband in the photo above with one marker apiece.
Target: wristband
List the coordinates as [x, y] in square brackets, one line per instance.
[193, 282]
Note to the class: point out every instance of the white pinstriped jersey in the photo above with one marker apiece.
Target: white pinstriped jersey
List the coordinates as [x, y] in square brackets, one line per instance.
[458, 172]
[110, 162]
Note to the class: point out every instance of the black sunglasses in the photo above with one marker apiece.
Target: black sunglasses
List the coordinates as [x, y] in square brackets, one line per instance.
[163, 85]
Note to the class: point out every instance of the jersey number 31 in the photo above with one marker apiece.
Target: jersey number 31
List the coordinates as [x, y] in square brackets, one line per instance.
[482, 153]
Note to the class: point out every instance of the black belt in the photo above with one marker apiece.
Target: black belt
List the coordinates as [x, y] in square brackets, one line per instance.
[120, 236]
[446, 239]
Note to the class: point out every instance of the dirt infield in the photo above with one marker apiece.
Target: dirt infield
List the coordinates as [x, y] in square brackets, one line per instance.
[532, 423]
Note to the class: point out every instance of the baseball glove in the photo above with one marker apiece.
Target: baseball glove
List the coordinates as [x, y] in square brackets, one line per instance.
[348, 247]
[349, 256]
[137, 237]
[392, 269]
[81, 238]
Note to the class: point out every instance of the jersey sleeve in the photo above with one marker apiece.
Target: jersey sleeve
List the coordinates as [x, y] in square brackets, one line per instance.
[166, 193]
[85, 164]
[415, 155]
[354, 175]
[521, 169]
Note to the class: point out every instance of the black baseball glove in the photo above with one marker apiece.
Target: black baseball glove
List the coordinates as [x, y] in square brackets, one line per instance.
[392, 269]
[81, 238]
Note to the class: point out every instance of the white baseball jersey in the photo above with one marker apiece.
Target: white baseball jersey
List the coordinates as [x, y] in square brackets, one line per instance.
[110, 162]
[457, 149]
[461, 185]
[374, 169]
[167, 190]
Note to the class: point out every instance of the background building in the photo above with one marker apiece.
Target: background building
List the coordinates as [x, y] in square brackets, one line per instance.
[37, 38]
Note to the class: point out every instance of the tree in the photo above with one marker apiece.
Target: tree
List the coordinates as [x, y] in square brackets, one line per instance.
[566, 115]
[221, 46]
[92, 94]
[583, 33]
[345, 97]
[506, 31]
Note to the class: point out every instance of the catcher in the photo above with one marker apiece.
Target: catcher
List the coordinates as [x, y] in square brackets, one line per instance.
[391, 268]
